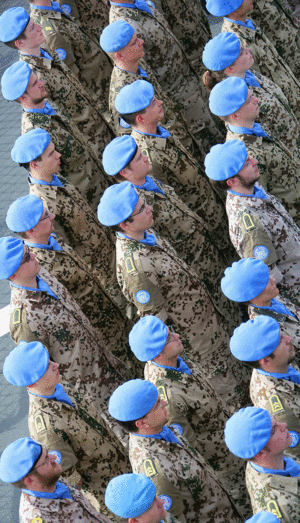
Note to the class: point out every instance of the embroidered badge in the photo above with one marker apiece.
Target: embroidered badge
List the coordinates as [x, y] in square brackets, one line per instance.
[162, 392]
[167, 501]
[37, 520]
[261, 252]
[40, 425]
[295, 438]
[17, 316]
[146, 152]
[248, 222]
[149, 468]
[178, 428]
[142, 297]
[129, 264]
[47, 27]
[273, 508]
[67, 8]
[57, 454]
[275, 403]
[61, 53]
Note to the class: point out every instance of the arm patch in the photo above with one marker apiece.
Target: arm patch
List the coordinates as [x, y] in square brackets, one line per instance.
[40, 425]
[129, 264]
[275, 403]
[162, 393]
[248, 222]
[149, 468]
[17, 316]
[274, 509]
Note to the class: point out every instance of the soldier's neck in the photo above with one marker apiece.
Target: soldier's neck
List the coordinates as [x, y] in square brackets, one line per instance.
[237, 18]
[136, 180]
[131, 67]
[41, 2]
[30, 105]
[41, 391]
[271, 461]
[260, 301]
[149, 431]
[26, 282]
[136, 235]
[42, 239]
[44, 176]
[123, 1]
[167, 362]
[150, 128]
[32, 51]
[243, 122]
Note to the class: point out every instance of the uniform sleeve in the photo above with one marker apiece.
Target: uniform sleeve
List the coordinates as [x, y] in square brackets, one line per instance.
[56, 42]
[256, 242]
[19, 329]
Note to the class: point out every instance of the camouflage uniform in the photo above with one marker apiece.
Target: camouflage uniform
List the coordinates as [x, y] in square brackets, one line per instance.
[63, 87]
[45, 510]
[194, 405]
[158, 282]
[188, 234]
[81, 436]
[82, 55]
[174, 166]
[281, 398]
[92, 15]
[279, 168]
[264, 229]
[267, 61]
[79, 163]
[279, 24]
[182, 477]
[274, 493]
[173, 70]
[85, 287]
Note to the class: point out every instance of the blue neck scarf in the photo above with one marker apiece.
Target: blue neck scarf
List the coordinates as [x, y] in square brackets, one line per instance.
[258, 193]
[182, 366]
[166, 434]
[276, 306]
[150, 185]
[53, 7]
[42, 287]
[46, 55]
[161, 132]
[292, 375]
[291, 468]
[55, 181]
[53, 245]
[257, 130]
[149, 239]
[251, 80]
[59, 395]
[138, 4]
[248, 23]
[46, 110]
[142, 72]
[61, 492]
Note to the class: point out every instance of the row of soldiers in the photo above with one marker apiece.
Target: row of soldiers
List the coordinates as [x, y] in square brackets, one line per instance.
[69, 317]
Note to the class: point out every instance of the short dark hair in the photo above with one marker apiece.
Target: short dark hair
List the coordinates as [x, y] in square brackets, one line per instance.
[256, 364]
[220, 184]
[117, 227]
[130, 118]
[130, 426]
[27, 165]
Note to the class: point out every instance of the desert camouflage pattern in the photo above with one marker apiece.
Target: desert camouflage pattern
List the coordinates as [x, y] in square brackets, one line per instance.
[196, 407]
[174, 166]
[82, 438]
[79, 163]
[265, 230]
[267, 61]
[46, 510]
[63, 87]
[277, 494]
[158, 282]
[189, 235]
[173, 71]
[281, 398]
[181, 475]
[276, 20]
[70, 339]
[86, 288]
[92, 15]
[279, 168]
[275, 114]
[83, 56]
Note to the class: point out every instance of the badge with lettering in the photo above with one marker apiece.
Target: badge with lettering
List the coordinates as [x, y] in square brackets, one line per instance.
[142, 297]
[274, 509]
[167, 501]
[61, 53]
[178, 428]
[40, 425]
[275, 403]
[57, 454]
[149, 468]
[295, 438]
[67, 8]
[261, 252]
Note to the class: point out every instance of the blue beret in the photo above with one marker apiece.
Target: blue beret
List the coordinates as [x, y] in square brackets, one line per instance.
[248, 431]
[11, 254]
[118, 154]
[221, 51]
[24, 213]
[117, 203]
[255, 339]
[225, 160]
[130, 495]
[30, 145]
[116, 36]
[228, 96]
[12, 23]
[132, 400]
[26, 363]
[18, 459]
[148, 337]
[245, 279]
[222, 7]
[15, 80]
[134, 97]
[263, 517]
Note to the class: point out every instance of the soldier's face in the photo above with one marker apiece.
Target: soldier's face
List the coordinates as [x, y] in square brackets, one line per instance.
[154, 514]
[48, 471]
[142, 216]
[245, 8]
[158, 416]
[50, 160]
[45, 226]
[34, 34]
[173, 346]
[271, 290]
[250, 109]
[280, 438]
[36, 89]
[154, 112]
[134, 50]
[51, 377]
[29, 266]
[244, 61]
[140, 166]
[249, 174]
[284, 353]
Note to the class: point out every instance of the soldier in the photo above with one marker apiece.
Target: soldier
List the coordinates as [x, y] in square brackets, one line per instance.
[30, 218]
[225, 57]
[272, 478]
[79, 164]
[158, 282]
[185, 230]
[133, 496]
[193, 404]
[190, 488]
[43, 310]
[82, 55]
[18, 31]
[170, 64]
[91, 14]
[234, 103]
[171, 162]
[275, 384]
[28, 466]
[259, 226]
[267, 61]
[248, 281]
[65, 423]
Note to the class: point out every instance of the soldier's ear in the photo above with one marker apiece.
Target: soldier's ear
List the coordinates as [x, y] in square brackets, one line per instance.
[123, 225]
[132, 520]
[230, 182]
[19, 43]
[124, 173]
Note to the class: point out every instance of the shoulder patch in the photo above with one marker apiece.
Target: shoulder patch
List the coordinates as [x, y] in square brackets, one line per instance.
[178, 428]
[37, 520]
[248, 222]
[149, 468]
[162, 392]
[61, 53]
[17, 316]
[129, 264]
[67, 8]
[47, 27]
[134, 14]
[261, 252]
[146, 152]
[142, 297]
[274, 509]
[275, 403]
[295, 438]
[167, 501]
[56, 454]
[40, 425]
